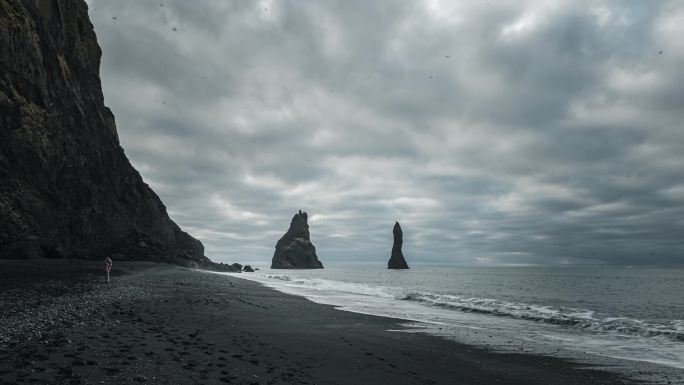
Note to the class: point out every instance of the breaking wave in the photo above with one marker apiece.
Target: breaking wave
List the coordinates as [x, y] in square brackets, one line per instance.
[564, 316]
[579, 318]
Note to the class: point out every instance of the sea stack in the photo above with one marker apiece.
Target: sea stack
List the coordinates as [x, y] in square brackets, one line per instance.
[295, 250]
[397, 260]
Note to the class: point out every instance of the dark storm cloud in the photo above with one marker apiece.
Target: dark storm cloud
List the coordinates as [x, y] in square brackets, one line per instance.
[516, 132]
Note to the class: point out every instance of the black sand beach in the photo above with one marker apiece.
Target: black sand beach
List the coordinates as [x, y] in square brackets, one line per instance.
[61, 324]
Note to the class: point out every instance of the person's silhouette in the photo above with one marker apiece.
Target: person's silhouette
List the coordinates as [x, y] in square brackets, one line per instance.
[108, 267]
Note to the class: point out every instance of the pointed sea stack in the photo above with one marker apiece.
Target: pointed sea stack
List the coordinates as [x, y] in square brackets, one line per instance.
[295, 250]
[397, 260]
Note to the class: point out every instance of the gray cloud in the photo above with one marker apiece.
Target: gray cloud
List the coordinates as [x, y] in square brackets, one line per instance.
[517, 132]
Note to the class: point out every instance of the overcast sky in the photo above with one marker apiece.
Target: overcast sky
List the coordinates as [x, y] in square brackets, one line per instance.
[495, 132]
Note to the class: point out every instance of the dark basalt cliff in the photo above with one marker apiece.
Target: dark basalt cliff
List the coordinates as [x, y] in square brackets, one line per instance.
[397, 260]
[295, 250]
[66, 186]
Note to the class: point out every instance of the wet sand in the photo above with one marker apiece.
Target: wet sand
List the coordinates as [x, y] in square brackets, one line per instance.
[61, 324]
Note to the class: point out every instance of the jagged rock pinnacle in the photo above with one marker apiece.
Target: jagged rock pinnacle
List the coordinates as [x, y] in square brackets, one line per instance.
[295, 250]
[397, 260]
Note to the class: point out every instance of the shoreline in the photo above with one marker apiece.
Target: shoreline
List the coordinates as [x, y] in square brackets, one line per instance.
[651, 360]
[163, 324]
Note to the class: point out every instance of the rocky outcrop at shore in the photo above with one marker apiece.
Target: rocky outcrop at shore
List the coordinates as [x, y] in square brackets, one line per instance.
[66, 186]
[397, 260]
[295, 250]
[232, 268]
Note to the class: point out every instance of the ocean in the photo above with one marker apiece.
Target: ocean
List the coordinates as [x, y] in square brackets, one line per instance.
[625, 319]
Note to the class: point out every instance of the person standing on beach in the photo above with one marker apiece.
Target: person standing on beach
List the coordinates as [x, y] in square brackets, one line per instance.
[108, 267]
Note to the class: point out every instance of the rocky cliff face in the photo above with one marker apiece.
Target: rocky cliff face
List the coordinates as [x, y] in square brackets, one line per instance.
[66, 186]
[295, 250]
[397, 260]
